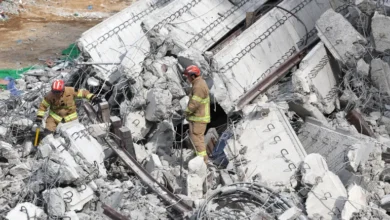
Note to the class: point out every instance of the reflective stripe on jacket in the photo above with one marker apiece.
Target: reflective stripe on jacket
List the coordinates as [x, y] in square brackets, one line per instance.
[198, 109]
[63, 107]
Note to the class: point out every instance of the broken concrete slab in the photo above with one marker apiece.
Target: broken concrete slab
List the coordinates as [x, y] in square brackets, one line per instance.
[197, 173]
[19, 212]
[362, 68]
[358, 155]
[140, 152]
[290, 214]
[76, 198]
[86, 145]
[313, 167]
[380, 75]
[234, 71]
[9, 153]
[340, 37]
[162, 139]
[327, 198]
[154, 163]
[380, 32]
[316, 76]
[334, 145]
[220, 18]
[137, 124]
[105, 41]
[159, 103]
[357, 201]
[22, 170]
[56, 205]
[271, 136]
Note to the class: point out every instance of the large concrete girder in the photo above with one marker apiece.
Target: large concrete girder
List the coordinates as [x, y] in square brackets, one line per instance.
[335, 146]
[266, 146]
[81, 141]
[119, 37]
[199, 23]
[315, 72]
[262, 48]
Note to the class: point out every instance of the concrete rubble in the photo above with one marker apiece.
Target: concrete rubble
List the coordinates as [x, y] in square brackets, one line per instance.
[315, 145]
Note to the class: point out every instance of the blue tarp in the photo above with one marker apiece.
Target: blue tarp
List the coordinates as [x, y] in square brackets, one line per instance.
[11, 86]
[218, 155]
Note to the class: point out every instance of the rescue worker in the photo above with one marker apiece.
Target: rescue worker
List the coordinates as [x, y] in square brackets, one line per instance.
[198, 110]
[61, 102]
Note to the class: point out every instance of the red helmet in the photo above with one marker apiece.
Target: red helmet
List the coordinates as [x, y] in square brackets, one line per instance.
[58, 86]
[192, 70]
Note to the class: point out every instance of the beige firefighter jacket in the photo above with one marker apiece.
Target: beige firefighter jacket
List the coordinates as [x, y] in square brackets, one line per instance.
[198, 109]
[63, 107]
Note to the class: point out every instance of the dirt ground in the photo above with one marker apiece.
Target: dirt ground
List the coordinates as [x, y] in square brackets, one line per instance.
[44, 28]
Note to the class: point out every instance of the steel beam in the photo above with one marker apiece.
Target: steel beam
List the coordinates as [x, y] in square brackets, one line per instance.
[356, 119]
[274, 76]
[112, 213]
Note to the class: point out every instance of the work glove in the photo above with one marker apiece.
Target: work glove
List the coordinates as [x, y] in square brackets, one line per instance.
[96, 100]
[38, 121]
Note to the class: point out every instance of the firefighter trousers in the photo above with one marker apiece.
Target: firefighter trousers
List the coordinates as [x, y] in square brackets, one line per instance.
[51, 124]
[196, 133]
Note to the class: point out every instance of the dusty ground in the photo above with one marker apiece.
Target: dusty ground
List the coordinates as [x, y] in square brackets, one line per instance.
[44, 28]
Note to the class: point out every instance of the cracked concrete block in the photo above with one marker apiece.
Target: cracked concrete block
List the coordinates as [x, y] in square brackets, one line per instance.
[385, 202]
[149, 79]
[27, 148]
[22, 170]
[380, 75]
[23, 123]
[340, 37]
[197, 173]
[358, 155]
[159, 102]
[313, 168]
[315, 76]
[362, 68]
[357, 201]
[55, 202]
[3, 131]
[78, 199]
[162, 139]
[154, 163]
[291, 214]
[5, 95]
[98, 130]
[138, 125]
[21, 84]
[60, 172]
[85, 144]
[380, 32]
[140, 152]
[18, 212]
[366, 6]
[318, 204]
[44, 150]
[9, 153]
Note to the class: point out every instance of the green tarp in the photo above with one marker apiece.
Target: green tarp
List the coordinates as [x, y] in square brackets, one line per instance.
[72, 52]
[14, 73]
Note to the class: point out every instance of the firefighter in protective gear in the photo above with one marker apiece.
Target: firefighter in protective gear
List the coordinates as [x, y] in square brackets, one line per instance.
[61, 104]
[198, 109]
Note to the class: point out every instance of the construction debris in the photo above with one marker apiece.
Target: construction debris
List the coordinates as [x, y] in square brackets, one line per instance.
[315, 145]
